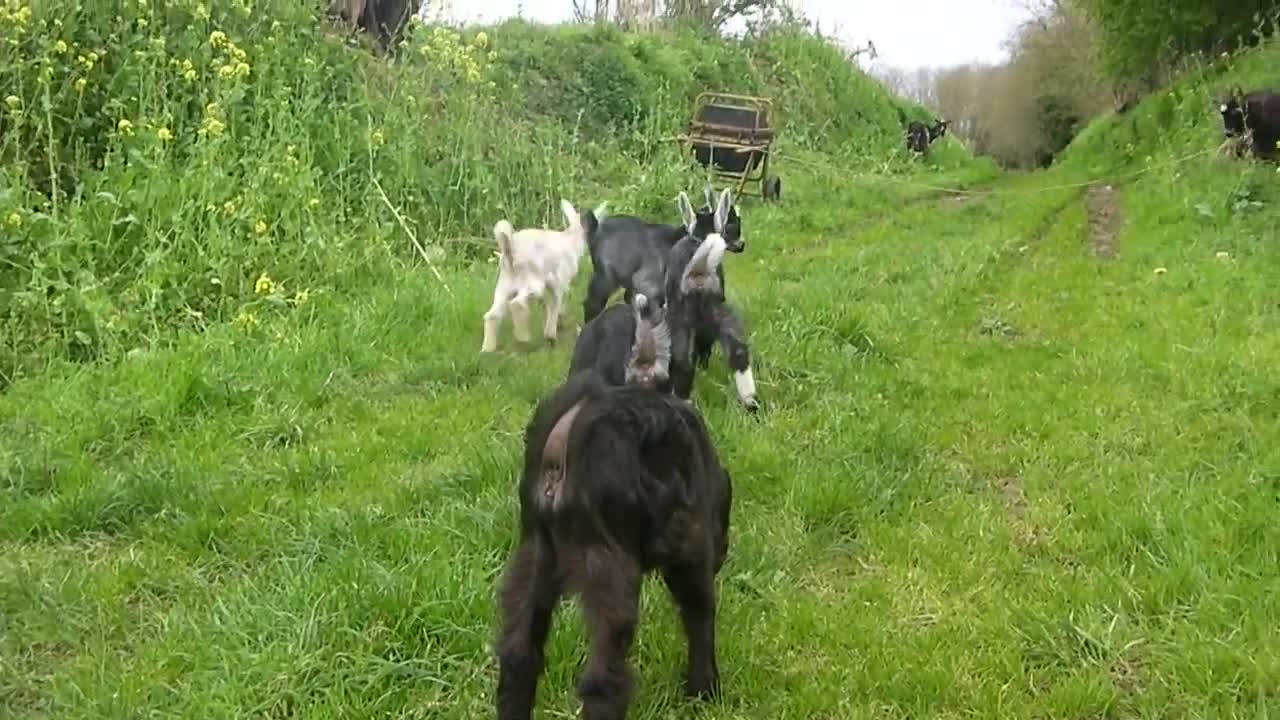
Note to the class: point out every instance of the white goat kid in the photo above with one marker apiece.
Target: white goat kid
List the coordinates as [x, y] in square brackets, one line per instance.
[535, 262]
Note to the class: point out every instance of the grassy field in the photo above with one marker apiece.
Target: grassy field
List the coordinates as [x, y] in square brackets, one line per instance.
[996, 476]
[1018, 455]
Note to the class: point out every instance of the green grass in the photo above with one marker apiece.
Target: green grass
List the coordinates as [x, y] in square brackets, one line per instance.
[995, 476]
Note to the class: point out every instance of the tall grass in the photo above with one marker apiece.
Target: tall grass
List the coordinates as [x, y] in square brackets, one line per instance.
[169, 165]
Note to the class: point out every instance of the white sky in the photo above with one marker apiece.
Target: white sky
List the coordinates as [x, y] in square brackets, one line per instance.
[907, 33]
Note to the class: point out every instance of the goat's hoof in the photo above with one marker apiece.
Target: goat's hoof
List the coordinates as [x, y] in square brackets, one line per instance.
[704, 688]
[752, 405]
[551, 341]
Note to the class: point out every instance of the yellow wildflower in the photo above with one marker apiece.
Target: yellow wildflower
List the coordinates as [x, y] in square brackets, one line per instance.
[246, 320]
[482, 40]
[60, 47]
[313, 202]
[164, 134]
[13, 102]
[202, 11]
[212, 127]
[260, 228]
[241, 70]
[377, 138]
[300, 297]
[229, 207]
[81, 83]
[189, 75]
[14, 219]
[124, 126]
[264, 285]
[217, 38]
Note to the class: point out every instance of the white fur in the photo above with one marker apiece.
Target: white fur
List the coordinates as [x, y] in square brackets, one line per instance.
[535, 262]
[746, 387]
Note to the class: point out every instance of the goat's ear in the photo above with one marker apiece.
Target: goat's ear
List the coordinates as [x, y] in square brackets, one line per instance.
[686, 211]
[722, 209]
[570, 213]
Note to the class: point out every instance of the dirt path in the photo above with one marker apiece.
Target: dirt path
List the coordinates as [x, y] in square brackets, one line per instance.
[1105, 220]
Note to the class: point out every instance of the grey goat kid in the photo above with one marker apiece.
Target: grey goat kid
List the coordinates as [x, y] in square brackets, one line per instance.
[698, 314]
[627, 345]
[630, 253]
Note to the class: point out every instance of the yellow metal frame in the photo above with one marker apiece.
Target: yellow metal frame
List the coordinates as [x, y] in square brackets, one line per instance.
[718, 136]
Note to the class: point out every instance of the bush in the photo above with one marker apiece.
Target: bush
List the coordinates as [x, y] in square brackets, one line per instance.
[1142, 40]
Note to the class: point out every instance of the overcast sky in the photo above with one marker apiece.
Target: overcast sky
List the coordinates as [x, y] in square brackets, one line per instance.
[907, 33]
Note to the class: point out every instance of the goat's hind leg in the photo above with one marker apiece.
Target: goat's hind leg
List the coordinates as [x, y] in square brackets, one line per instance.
[598, 291]
[551, 323]
[529, 594]
[611, 605]
[733, 340]
[519, 307]
[702, 345]
[691, 583]
[493, 318]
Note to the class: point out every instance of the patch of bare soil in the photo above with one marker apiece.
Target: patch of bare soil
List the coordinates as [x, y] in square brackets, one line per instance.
[1105, 220]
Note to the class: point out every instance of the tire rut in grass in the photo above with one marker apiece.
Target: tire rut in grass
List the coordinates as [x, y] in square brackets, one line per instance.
[1105, 220]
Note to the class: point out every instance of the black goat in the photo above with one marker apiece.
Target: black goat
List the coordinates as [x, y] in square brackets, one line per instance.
[1253, 120]
[617, 481]
[627, 344]
[920, 136]
[630, 253]
[917, 136]
[698, 315]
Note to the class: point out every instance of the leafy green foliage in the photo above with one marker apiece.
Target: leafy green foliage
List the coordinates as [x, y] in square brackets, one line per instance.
[1141, 39]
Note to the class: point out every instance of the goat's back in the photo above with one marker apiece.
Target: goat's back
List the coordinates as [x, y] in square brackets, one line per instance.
[550, 256]
[605, 343]
[1263, 111]
[641, 471]
[632, 253]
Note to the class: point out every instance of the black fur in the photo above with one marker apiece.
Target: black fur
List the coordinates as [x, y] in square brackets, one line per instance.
[639, 487]
[920, 136]
[1256, 115]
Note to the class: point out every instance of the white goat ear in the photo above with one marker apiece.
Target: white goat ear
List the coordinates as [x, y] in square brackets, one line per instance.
[1222, 107]
[686, 211]
[722, 209]
[570, 213]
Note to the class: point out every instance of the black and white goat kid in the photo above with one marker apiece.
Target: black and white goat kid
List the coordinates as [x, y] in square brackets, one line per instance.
[697, 311]
[617, 481]
[630, 253]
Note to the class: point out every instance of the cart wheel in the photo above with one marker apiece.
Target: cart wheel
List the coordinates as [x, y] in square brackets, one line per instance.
[772, 189]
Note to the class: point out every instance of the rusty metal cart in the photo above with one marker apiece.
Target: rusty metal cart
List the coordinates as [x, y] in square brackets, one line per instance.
[730, 135]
